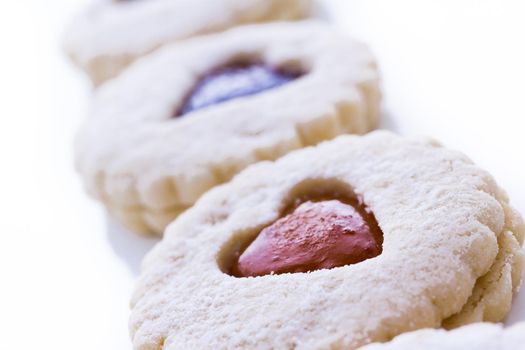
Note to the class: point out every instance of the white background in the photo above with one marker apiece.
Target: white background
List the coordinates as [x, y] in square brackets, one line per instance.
[453, 69]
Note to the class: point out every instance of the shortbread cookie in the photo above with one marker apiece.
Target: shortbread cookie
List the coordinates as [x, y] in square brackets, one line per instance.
[192, 115]
[111, 34]
[479, 336]
[353, 241]
[492, 297]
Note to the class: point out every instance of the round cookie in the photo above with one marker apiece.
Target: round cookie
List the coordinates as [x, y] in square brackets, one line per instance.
[111, 34]
[192, 115]
[442, 220]
[486, 336]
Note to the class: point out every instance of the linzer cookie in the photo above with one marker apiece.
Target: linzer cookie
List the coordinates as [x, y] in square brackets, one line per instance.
[479, 336]
[353, 241]
[111, 34]
[192, 115]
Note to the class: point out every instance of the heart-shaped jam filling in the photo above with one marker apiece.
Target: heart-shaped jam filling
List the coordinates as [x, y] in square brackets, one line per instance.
[233, 81]
[313, 235]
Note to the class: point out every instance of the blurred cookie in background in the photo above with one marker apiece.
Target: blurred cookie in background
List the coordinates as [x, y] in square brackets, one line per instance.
[111, 34]
[477, 336]
[193, 114]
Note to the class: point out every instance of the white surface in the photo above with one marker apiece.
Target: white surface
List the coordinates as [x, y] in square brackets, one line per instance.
[453, 69]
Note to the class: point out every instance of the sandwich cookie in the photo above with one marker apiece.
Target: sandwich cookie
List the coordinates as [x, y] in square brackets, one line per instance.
[192, 115]
[111, 34]
[354, 241]
[486, 336]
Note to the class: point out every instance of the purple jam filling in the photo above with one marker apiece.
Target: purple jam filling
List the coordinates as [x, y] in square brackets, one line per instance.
[234, 81]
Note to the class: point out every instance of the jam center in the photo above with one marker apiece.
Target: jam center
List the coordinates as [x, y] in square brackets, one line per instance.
[312, 236]
[234, 81]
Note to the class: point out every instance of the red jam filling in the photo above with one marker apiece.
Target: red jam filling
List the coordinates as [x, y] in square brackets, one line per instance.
[313, 235]
[234, 81]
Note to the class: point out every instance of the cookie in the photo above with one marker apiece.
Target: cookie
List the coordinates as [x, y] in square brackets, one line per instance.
[257, 263]
[111, 34]
[486, 336]
[492, 296]
[192, 115]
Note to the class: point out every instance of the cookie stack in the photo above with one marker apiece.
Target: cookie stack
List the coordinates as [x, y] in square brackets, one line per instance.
[287, 230]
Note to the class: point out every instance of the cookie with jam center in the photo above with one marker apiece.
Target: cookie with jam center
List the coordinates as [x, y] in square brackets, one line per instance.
[353, 241]
[486, 336]
[192, 115]
[111, 34]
